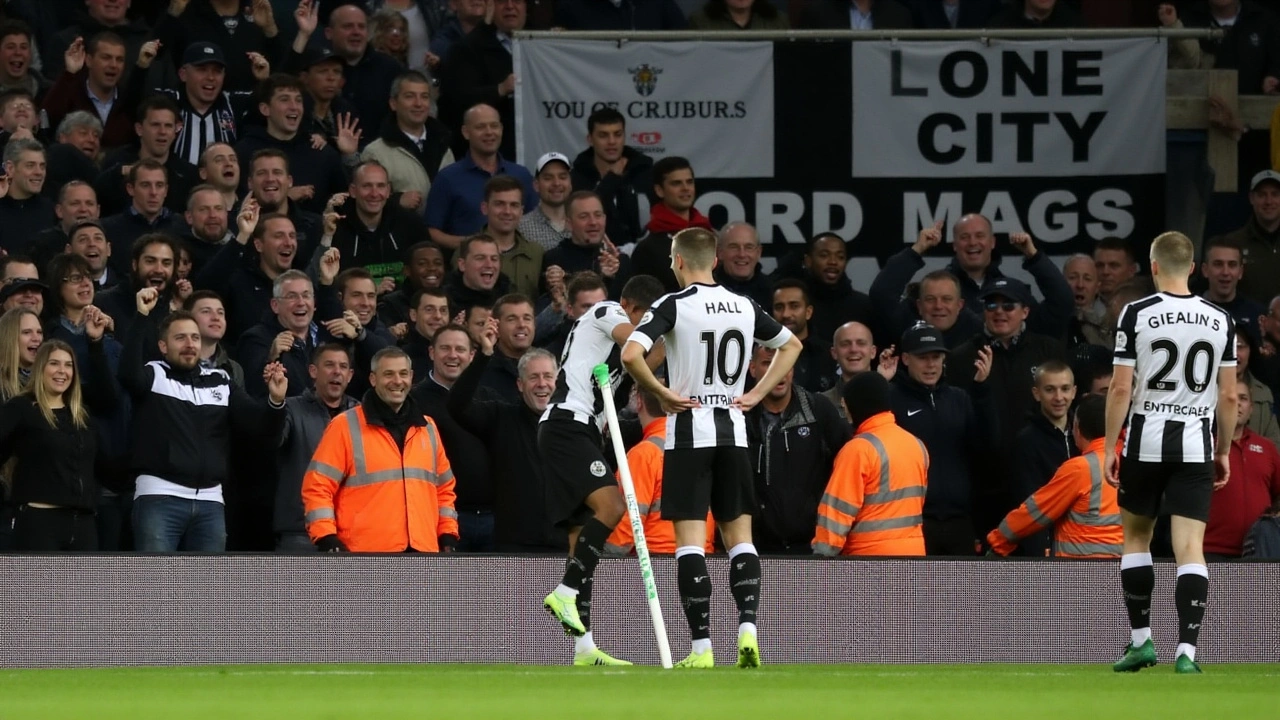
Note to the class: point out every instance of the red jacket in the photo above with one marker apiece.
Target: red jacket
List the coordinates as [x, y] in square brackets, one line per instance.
[69, 94]
[1253, 489]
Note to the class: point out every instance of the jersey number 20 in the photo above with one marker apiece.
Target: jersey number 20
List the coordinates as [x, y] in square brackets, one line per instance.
[718, 356]
[1160, 381]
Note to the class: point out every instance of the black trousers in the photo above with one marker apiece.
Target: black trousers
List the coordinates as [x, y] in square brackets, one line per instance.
[953, 537]
[55, 530]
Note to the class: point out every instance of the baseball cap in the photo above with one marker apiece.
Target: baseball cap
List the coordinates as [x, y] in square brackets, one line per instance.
[16, 285]
[550, 158]
[1010, 288]
[923, 338]
[316, 55]
[1262, 177]
[203, 53]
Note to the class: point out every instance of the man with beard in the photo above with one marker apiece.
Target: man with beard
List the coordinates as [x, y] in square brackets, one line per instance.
[183, 415]
[91, 81]
[815, 369]
[423, 269]
[220, 169]
[793, 436]
[89, 242]
[153, 259]
[478, 280]
[271, 187]
[738, 269]
[156, 127]
[673, 185]
[306, 417]
[955, 430]
[320, 171]
[287, 336]
[148, 186]
[207, 217]
[24, 211]
[616, 172]
[854, 349]
[834, 300]
[451, 353]
[210, 314]
[411, 145]
[371, 233]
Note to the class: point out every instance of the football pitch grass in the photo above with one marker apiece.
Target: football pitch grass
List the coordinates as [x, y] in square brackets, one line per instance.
[775, 692]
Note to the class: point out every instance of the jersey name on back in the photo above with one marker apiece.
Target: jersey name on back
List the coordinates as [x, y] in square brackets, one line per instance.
[1176, 345]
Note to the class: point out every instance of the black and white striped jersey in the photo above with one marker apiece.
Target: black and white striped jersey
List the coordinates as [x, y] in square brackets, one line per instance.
[1176, 344]
[590, 343]
[709, 332]
[219, 124]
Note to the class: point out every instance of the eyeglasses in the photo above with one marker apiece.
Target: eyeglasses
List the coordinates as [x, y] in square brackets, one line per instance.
[75, 278]
[1007, 306]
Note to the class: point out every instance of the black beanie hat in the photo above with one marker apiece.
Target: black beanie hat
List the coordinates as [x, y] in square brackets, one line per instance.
[866, 394]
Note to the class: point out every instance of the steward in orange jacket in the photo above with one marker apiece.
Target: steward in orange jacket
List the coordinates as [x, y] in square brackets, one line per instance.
[379, 480]
[645, 461]
[1079, 503]
[874, 502]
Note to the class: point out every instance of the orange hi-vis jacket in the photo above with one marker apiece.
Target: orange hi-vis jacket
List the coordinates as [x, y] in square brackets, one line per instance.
[361, 487]
[874, 502]
[645, 461]
[1083, 506]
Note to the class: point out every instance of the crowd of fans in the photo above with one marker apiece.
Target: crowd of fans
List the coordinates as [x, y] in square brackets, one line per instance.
[219, 235]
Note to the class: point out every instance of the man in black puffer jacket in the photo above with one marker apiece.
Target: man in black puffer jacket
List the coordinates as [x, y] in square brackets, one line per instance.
[793, 436]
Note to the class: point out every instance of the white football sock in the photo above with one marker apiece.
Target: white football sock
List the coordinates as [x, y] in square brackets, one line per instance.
[584, 644]
[701, 646]
[1186, 649]
[566, 592]
[1140, 636]
[746, 628]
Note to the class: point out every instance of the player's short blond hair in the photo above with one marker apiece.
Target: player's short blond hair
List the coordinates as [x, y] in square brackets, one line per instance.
[697, 246]
[1174, 252]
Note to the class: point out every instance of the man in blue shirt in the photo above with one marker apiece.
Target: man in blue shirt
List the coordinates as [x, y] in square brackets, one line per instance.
[453, 203]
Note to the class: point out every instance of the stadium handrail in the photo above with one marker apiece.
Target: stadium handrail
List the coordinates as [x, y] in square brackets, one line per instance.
[856, 35]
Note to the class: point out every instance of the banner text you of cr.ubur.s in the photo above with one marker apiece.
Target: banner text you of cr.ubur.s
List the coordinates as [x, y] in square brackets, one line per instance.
[711, 102]
[1049, 108]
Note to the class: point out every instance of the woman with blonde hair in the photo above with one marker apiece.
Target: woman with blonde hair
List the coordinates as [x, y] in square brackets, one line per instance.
[20, 338]
[48, 430]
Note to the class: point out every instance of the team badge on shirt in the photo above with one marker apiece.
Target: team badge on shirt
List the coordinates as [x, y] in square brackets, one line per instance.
[598, 469]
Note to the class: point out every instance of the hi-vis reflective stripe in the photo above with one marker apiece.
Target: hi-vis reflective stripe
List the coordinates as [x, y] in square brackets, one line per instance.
[838, 528]
[449, 513]
[362, 476]
[1037, 516]
[821, 548]
[325, 470]
[1089, 548]
[657, 442]
[839, 505]
[324, 513]
[884, 494]
[897, 523]
[1094, 517]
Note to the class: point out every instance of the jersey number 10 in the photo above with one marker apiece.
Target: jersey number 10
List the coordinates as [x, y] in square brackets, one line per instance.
[718, 356]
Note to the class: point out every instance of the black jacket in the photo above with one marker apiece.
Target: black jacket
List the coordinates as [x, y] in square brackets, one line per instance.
[56, 465]
[235, 273]
[463, 298]
[1039, 450]
[419, 350]
[22, 220]
[792, 464]
[380, 250]
[134, 33]
[1251, 46]
[368, 85]
[1051, 317]
[815, 369]
[834, 15]
[629, 15]
[126, 226]
[120, 304]
[620, 194]
[500, 377]
[182, 420]
[573, 258]
[758, 288]
[973, 14]
[321, 168]
[305, 419]
[477, 65]
[254, 347]
[894, 302]
[467, 453]
[955, 429]
[1010, 388]
[510, 434]
[201, 23]
[835, 305]
[1013, 16]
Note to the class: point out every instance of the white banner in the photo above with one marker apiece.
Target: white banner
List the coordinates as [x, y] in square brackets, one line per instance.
[1049, 108]
[710, 102]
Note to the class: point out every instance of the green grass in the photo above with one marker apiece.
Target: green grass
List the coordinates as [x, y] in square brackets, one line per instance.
[777, 692]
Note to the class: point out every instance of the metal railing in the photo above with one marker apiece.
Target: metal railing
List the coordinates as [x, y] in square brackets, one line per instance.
[857, 35]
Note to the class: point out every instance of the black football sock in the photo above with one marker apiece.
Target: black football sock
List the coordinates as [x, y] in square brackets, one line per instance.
[586, 554]
[695, 593]
[744, 580]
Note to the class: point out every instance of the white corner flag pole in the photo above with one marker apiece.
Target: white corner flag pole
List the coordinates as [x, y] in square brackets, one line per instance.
[633, 512]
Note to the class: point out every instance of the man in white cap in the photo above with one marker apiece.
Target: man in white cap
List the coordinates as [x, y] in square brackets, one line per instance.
[1259, 239]
[546, 224]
